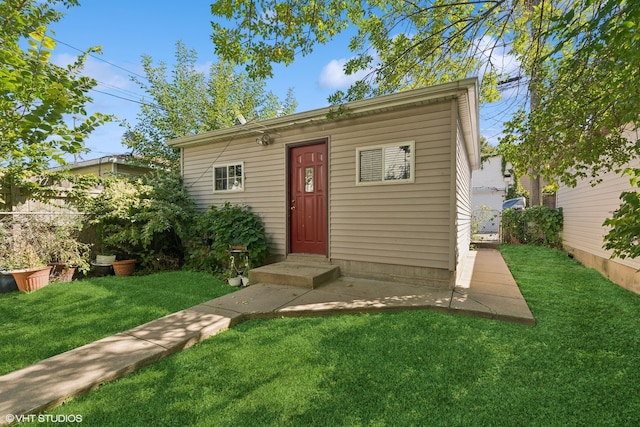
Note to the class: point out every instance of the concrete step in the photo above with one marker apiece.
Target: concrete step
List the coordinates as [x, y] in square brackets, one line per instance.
[308, 259]
[305, 275]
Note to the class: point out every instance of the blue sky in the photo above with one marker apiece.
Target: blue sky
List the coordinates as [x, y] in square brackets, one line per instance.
[128, 29]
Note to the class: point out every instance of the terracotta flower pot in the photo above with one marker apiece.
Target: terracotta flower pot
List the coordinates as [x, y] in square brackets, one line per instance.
[62, 272]
[32, 279]
[126, 267]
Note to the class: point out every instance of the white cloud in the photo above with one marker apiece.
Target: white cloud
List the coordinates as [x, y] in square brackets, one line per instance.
[487, 49]
[104, 73]
[333, 76]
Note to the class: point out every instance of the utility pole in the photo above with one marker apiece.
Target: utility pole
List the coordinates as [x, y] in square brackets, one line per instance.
[535, 195]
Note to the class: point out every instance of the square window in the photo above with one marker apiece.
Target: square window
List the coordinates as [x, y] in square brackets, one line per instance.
[229, 177]
[385, 164]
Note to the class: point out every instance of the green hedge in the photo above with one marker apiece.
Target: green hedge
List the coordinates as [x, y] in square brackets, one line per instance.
[539, 225]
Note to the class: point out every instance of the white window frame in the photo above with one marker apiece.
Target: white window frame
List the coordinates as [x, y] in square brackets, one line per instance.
[226, 167]
[383, 181]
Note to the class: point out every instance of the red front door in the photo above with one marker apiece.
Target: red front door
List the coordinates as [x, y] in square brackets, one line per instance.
[308, 199]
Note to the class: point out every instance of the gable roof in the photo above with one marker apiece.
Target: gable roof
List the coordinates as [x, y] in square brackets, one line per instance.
[464, 91]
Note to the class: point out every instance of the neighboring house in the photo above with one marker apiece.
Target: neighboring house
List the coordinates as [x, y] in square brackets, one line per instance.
[489, 188]
[585, 208]
[119, 164]
[382, 190]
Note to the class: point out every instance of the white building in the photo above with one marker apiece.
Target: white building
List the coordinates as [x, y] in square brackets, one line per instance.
[489, 187]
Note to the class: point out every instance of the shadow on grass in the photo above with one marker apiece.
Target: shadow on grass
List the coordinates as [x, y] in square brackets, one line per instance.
[64, 316]
[578, 366]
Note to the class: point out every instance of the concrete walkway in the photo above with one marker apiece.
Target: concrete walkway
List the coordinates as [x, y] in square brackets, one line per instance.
[486, 289]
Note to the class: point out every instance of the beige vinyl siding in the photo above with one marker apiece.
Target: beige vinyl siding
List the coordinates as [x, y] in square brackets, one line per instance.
[393, 223]
[463, 202]
[264, 182]
[585, 208]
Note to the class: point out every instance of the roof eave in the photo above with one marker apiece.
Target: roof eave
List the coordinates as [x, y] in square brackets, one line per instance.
[353, 109]
[472, 128]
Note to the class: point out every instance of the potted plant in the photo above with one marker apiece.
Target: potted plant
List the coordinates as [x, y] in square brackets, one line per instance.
[124, 267]
[233, 276]
[104, 256]
[235, 281]
[24, 252]
[67, 254]
[28, 268]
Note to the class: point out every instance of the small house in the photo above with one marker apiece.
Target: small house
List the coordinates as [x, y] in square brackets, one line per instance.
[119, 164]
[380, 188]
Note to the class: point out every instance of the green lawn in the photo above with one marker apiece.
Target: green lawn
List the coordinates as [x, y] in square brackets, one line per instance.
[579, 366]
[63, 316]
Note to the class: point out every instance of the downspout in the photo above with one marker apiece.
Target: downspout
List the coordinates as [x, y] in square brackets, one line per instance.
[182, 162]
[453, 195]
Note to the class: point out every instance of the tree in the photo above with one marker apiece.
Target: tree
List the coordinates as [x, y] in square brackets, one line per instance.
[191, 102]
[401, 44]
[36, 96]
[586, 104]
[486, 150]
[589, 108]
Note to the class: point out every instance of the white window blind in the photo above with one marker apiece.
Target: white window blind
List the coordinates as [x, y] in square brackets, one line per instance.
[388, 163]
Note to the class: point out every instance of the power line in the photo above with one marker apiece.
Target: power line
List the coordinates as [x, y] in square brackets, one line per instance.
[127, 99]
[123, 92]
[108, 85]
[100, 59]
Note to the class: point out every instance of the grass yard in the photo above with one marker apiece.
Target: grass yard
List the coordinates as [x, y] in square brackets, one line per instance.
[63, 316]
[579, 366]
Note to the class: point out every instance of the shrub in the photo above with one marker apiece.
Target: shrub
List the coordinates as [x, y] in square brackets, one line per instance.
[220, 227]
[30, 240]
[539, 225]
[147, 218]
[623, 238]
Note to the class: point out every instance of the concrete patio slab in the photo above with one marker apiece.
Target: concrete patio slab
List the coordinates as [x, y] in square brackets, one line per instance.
[259, 299]
[365, 288]
[354, 295]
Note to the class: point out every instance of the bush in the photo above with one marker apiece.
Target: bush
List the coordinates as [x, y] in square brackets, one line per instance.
[624, 235]
[220, 227]
[539, 225]
[147, 219]
[30, 240]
